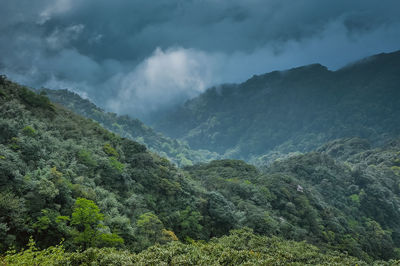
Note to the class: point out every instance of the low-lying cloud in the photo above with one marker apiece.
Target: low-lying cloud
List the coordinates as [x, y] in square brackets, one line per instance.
[163, 79]
[139, 56]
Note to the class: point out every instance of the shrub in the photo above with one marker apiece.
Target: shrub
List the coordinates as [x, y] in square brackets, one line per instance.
[29, 131]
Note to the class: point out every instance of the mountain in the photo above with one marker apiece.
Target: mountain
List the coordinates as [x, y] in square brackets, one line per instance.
[63, 176]
[177, 151]
[345, 192]
[295, 110]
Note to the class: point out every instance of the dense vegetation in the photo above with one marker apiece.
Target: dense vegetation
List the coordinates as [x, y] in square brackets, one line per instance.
[240, 248]
[63, 176]
[108, 200]
[345, 196]
[295, 110]
[175, 150]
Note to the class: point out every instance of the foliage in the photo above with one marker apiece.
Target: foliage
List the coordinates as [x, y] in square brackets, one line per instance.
[65, 177]
[86, 158]
[33, 256]
[241, 247]
[54, 167]
[150, 229]
[86, 218]
[115, 164]
[178, 152]
[310, 197]
[36, 100]
[295, 110]
[109, 150]
[29, 131]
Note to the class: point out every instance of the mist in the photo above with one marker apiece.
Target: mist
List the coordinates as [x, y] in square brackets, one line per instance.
[138, 57]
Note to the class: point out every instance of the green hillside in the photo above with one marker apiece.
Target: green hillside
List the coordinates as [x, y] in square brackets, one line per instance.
[241, 247]
[347, 204]
[65, 178]
[54, 163]
[299, 109]
[177, 151]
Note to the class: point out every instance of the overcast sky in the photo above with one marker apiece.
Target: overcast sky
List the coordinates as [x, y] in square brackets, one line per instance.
[137, 56]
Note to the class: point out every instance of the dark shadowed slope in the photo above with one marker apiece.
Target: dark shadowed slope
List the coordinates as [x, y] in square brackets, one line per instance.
[293, 110]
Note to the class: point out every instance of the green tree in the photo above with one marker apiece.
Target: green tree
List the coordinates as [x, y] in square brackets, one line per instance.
[89, 231]
[86, 158]
[189, 223]
[150, 229]
[109, 150]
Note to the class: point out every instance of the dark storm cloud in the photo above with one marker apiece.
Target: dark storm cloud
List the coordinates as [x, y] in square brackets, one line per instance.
[136, 56]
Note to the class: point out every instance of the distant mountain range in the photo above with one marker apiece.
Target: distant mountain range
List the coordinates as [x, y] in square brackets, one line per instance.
[296, 110]
[270, 116]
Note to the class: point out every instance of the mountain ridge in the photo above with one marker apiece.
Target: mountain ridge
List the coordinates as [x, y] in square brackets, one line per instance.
[177, 151]
[55, 164]
[360, 99]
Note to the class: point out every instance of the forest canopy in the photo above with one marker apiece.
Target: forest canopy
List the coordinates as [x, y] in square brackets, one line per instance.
[73, 192]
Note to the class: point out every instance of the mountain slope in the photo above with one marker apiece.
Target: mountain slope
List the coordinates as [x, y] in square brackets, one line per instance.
[342, 196]
[56, 168]
[241, 247]
[176, 151]
[51, 157]
[294, 110]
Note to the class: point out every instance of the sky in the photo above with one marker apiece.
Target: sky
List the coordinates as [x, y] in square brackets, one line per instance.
[139, 56]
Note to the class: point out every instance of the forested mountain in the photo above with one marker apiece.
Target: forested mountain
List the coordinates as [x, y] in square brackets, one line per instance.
[344, 196]
[55, 164]
[294, 110]
[65, 177]
[177, 151]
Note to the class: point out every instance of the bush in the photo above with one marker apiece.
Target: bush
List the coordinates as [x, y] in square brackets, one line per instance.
[29, 131]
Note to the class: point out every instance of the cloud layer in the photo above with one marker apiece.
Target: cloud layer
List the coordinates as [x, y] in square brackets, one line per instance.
[163, 79]
[138, 56]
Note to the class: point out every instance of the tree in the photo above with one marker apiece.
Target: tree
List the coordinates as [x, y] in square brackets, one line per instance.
[150, 229]
[189, 223]
[89, 231]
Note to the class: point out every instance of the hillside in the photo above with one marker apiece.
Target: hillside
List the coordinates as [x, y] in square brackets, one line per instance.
[241, 247]
[177, 151]
[54, 163]
[343, 196]
[65, 177]
[292, 111]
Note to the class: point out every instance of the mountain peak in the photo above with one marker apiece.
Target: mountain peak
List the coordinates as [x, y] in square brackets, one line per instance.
[294, 110]
[382, 60]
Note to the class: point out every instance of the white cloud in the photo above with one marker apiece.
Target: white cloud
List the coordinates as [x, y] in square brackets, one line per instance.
[102, 52]
[175, 75]
[163, 79]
